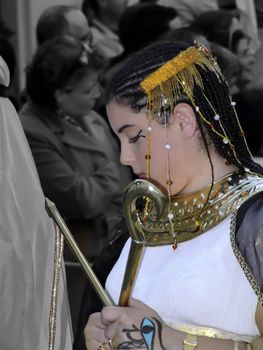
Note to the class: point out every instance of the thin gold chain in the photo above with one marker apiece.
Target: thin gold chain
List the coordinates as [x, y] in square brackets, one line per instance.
[58, 254]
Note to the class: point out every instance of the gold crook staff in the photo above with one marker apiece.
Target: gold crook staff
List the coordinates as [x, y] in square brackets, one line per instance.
[137, 189]
[55, 215]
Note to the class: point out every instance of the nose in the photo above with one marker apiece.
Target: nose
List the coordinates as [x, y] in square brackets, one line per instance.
[88, 47]
[248, 62]
[127, 157]
[251, 60]
[97, 91]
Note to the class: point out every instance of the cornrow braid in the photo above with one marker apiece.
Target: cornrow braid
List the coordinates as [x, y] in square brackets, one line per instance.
[213, 100]
[217, 93]
[125, 85]
[203, 135]
[209, 114]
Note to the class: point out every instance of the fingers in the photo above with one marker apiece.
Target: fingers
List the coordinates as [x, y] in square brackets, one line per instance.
[94, 332]
[115, 319]
[110, 331]
[119, 321]
[111, 314]
[95, 320]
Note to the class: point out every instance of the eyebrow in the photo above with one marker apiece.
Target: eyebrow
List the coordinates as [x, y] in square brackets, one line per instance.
[124, 127]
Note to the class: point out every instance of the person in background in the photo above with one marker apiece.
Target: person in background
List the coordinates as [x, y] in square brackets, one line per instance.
[77, 158]
[63, 20]
[104, 18]
[135, 32]
[223, 28]
[188, 9]
[229, 64]
[199, 283]
[60, 20]
[28, 244]
[187, 34]
[228, 61]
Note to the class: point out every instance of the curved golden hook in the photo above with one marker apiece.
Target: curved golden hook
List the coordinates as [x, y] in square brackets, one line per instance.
[138, 189]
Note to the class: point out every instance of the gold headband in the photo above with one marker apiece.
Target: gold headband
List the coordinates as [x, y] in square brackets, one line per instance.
[181, 69]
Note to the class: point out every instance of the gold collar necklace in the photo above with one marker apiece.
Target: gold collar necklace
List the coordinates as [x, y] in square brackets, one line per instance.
[193, 215]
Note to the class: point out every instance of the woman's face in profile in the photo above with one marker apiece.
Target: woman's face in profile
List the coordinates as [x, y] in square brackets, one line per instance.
[132, 129]
[80, 98]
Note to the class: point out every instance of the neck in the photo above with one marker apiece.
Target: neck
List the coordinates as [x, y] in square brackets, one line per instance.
[203, 177]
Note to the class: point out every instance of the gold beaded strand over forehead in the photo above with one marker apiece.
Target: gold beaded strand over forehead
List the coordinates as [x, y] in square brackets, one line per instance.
[181, 70]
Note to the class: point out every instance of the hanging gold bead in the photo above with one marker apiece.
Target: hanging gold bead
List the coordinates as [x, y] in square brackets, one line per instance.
[174, 244]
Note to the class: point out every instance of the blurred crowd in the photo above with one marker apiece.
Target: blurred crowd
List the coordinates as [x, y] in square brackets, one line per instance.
[62, 106]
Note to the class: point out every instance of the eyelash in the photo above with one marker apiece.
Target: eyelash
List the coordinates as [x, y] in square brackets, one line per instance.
[135, 138]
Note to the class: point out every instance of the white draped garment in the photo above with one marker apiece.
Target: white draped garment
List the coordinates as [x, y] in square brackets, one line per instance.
[27, 243]
[199, 284]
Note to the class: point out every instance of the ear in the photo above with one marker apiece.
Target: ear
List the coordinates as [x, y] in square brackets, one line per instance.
[184, 116]
[60, 96]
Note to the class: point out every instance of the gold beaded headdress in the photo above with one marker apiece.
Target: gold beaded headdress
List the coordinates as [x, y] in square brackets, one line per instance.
[167, 84]
[181, 69]
[179, 76]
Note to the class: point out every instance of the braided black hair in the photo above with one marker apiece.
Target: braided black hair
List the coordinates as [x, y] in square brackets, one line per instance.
[213, 99]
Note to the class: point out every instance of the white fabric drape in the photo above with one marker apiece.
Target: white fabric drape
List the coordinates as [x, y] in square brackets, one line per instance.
[4, 73]
[200, 283]
[26, 245]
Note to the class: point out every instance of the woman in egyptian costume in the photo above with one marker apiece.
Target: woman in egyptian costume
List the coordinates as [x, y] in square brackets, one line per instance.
[197, 207]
